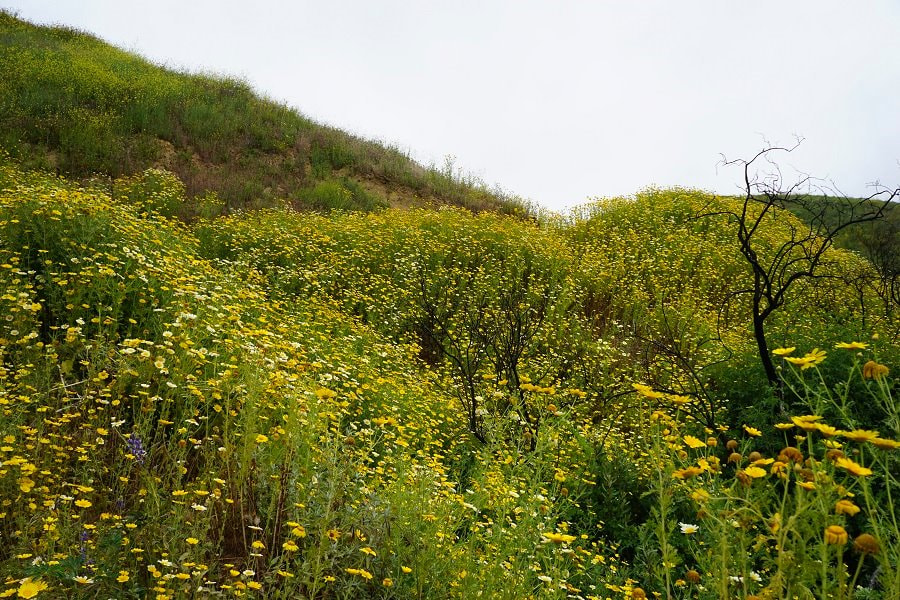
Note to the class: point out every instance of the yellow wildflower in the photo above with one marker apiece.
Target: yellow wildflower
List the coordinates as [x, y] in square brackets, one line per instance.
[852, 467]
[558, 538]
[755, 472]
[851, 345]
[693, 442]
[29, 588]
[835, 535]
[647, 391]
[827, 430]
[687, 472]
[807, 423]
[845, 507]
[783, 351]
[885, 444]
[298, 531]
[752, 431]
[810, 359]
[361, 572]
[861, 435]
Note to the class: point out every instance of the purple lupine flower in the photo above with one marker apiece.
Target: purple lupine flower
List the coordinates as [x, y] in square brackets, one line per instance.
[136, 448]
[83, 538]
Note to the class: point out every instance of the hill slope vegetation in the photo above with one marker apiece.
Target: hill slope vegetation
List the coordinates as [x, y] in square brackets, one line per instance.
[404, 403]
[74, 103]
[410, 403]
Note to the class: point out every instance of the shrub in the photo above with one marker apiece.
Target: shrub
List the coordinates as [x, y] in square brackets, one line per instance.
[155, 190]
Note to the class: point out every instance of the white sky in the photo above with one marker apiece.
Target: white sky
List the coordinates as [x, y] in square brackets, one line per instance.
[556, 101]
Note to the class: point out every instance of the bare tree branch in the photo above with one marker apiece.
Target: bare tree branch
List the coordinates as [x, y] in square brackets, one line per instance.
[827, 214]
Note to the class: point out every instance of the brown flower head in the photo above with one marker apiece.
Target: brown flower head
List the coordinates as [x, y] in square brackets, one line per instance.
[834, 454]
[865, 543]
[873, 370]
[793, 454]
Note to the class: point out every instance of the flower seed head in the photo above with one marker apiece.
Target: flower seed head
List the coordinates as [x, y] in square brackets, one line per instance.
[865, 543]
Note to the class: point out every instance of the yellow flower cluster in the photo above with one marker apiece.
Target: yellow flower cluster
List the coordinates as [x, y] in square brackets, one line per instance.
[179, 426]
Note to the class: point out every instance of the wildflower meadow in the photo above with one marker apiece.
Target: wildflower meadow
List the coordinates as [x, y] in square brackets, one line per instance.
[244, 355]
[279, 404]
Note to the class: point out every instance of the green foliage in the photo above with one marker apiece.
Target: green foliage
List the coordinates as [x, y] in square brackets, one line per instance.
[204, 433]
[802, 509]
[154, 190]
[618, 504]
[340, 194]
[73, 103]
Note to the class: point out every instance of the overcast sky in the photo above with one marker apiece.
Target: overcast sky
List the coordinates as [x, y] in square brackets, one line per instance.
[555, 101]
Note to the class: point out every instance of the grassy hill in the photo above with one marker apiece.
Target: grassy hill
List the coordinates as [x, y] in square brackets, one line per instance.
[409, 402]
[72, 103]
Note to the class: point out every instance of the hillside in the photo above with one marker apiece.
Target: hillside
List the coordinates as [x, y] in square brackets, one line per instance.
[441, 401]
[410, 403]
[74, 104]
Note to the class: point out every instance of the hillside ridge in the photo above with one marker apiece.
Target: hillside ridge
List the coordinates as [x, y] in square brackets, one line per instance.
[78, 106]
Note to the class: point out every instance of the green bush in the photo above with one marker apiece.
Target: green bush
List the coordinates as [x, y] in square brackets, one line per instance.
[155, 190]
[340, 194]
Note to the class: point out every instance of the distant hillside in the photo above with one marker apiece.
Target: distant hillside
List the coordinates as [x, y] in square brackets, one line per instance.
[834, 211]
[74, 104]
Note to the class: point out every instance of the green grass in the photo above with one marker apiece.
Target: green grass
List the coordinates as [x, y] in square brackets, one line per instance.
[72, 103]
